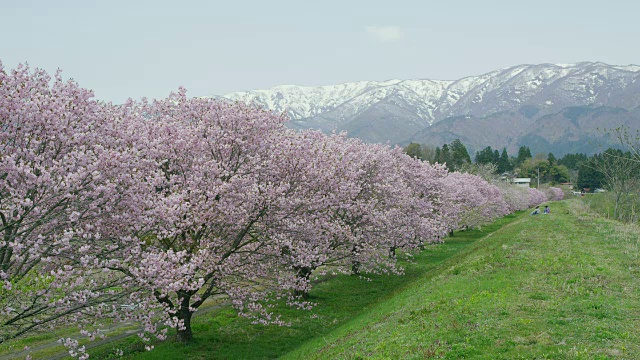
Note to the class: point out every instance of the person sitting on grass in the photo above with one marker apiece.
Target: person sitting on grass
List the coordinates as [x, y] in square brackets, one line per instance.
[546, 210]
[536, 211]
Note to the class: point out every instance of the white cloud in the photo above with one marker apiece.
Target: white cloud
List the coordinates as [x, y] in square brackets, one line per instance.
[385, 33]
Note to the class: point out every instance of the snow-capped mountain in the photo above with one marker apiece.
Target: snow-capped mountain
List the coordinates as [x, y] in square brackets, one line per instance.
[575, 129]
[395, 110]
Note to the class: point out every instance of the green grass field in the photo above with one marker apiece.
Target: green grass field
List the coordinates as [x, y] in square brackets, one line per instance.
[558, 286]
[562, 286]
[340, 300]
[604, 204]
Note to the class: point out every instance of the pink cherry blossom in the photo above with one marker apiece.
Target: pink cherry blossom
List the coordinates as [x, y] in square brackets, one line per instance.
[144, 211]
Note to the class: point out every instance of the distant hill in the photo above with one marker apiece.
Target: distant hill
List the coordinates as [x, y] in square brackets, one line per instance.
[574, 129]
[524, 104]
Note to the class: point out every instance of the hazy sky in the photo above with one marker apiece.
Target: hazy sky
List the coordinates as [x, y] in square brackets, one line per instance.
[133, 48]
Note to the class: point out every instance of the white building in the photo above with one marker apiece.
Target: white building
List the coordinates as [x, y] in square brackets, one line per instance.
[524, 182]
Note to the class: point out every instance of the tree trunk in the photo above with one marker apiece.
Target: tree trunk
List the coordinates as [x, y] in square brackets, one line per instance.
[616, 212]
[6, 251]
[355, 268]
[355, 264]
[304, 273]
[185, 335]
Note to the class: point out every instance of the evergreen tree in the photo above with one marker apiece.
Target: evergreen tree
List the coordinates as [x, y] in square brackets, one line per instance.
[459, 155]
[428, 153]
[552, 159]
[445, 155]
[588, 176]
[485, 156]
[414, 150]
[504, 164]
[524, 153]
[573, 161]
[496, 156]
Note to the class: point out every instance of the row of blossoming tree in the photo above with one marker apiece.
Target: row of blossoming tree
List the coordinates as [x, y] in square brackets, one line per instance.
[145, 210]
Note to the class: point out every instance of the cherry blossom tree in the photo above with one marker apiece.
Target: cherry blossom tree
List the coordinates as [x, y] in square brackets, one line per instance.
[58, 188]
[424, 208]
[367, 210]
[323, 171]
[224, 182]
[471, 200]
[146, 210]
[554, 193]
[536, 197]
[516, 197]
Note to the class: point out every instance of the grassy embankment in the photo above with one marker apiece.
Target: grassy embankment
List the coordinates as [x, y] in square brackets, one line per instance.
[604, 204]
[340, 300]
[561, 286]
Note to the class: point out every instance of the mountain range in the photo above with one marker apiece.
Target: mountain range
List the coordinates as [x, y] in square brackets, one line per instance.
[556, 108]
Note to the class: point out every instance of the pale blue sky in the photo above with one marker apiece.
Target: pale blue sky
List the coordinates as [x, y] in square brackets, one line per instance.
[124, 49]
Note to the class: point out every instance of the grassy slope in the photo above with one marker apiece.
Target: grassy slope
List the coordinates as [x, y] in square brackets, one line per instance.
[559, 286]
[604, 204]
[222, 335]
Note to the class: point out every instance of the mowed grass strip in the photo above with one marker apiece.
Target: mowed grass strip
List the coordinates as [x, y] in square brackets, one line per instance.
[339, 299]
[558, 286]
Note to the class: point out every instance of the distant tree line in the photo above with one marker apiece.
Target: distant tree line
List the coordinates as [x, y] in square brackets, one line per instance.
[456, 157]
[618, 173]
[615, 171]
